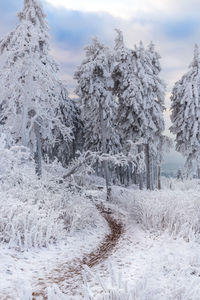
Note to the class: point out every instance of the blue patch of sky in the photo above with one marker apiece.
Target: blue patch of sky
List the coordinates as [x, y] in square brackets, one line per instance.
[74, 29]
[180, 29]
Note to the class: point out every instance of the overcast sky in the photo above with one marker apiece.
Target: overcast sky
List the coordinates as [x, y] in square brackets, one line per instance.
[174, 27]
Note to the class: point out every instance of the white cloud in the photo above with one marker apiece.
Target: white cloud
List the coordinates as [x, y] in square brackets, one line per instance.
[118, 8]
[127, 9]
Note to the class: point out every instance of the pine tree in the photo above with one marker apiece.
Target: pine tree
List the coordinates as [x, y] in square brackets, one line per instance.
[69, 114]
[31, 94]
[152, 97]
[95, 89]
[185, 115]
[127, 89]
[141, 98]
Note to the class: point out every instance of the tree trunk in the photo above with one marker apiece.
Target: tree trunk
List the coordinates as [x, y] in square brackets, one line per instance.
[198, 172]
[38, 153]
[104, 148]
[129, 177]
[121, 172]
[159, 181]
[141, 182]
[134, 176]
[148, 167]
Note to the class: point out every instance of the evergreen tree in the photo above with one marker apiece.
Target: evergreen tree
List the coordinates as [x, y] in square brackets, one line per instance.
[152, 97]
[31, 94]
[127, 89]
[95, 89]
[141, 98]
[185, 115]
[69, 115]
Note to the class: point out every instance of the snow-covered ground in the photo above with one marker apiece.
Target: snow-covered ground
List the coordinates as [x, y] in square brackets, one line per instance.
[21, 272]
[156, 257]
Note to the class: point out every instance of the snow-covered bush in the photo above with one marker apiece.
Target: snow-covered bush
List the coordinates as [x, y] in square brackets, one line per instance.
[38, 212]
[26, 225]
[177, 212]
[180, 185]
[79, 217]
[114, 287]
[54, 293]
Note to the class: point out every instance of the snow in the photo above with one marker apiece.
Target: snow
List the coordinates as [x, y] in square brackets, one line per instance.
[154, 267]
[55, 220]
[152, 260]
[155, 264]
[19, 269]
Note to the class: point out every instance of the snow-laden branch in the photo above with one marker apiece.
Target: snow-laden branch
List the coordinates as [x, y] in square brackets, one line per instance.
[88, 159]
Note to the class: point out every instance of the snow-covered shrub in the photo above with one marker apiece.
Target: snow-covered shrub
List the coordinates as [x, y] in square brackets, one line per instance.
[36, 213]
[54, 293]
[180, 185]
[114, 287]
[177, 212]
[24, 290]
[25, 226]
[79, 217]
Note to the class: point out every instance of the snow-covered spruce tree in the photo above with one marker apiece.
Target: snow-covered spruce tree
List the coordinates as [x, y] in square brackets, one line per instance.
[95, 89]
[141, 99]
[128, 90]
[151, 118]
[185, 115]
[30, 97]
[69, 114]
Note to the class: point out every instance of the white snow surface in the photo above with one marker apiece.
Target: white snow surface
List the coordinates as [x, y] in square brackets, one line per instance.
[150, 261]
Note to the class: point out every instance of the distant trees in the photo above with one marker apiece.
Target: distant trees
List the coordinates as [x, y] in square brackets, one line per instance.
[30, 99]
[185, 115]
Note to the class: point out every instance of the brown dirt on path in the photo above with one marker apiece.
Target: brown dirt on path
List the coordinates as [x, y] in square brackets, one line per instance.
[69, 275]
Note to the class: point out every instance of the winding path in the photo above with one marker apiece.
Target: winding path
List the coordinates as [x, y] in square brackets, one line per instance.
[69, 275]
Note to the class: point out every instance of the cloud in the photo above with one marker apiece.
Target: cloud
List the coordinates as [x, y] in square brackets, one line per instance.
[75, 29]
[128, 9]
[117, 8]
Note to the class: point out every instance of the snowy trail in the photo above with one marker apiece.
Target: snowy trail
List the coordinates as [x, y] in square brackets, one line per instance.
[68, 276]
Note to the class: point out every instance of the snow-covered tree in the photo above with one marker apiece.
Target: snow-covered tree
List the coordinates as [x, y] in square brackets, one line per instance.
[95, 89]
[186, 114]
[30, 98]
[151, 118]
[69, 114]
[127, 89]
[141, 97]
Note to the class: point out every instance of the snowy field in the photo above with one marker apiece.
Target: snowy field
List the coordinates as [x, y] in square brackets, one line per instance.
[44, 239]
